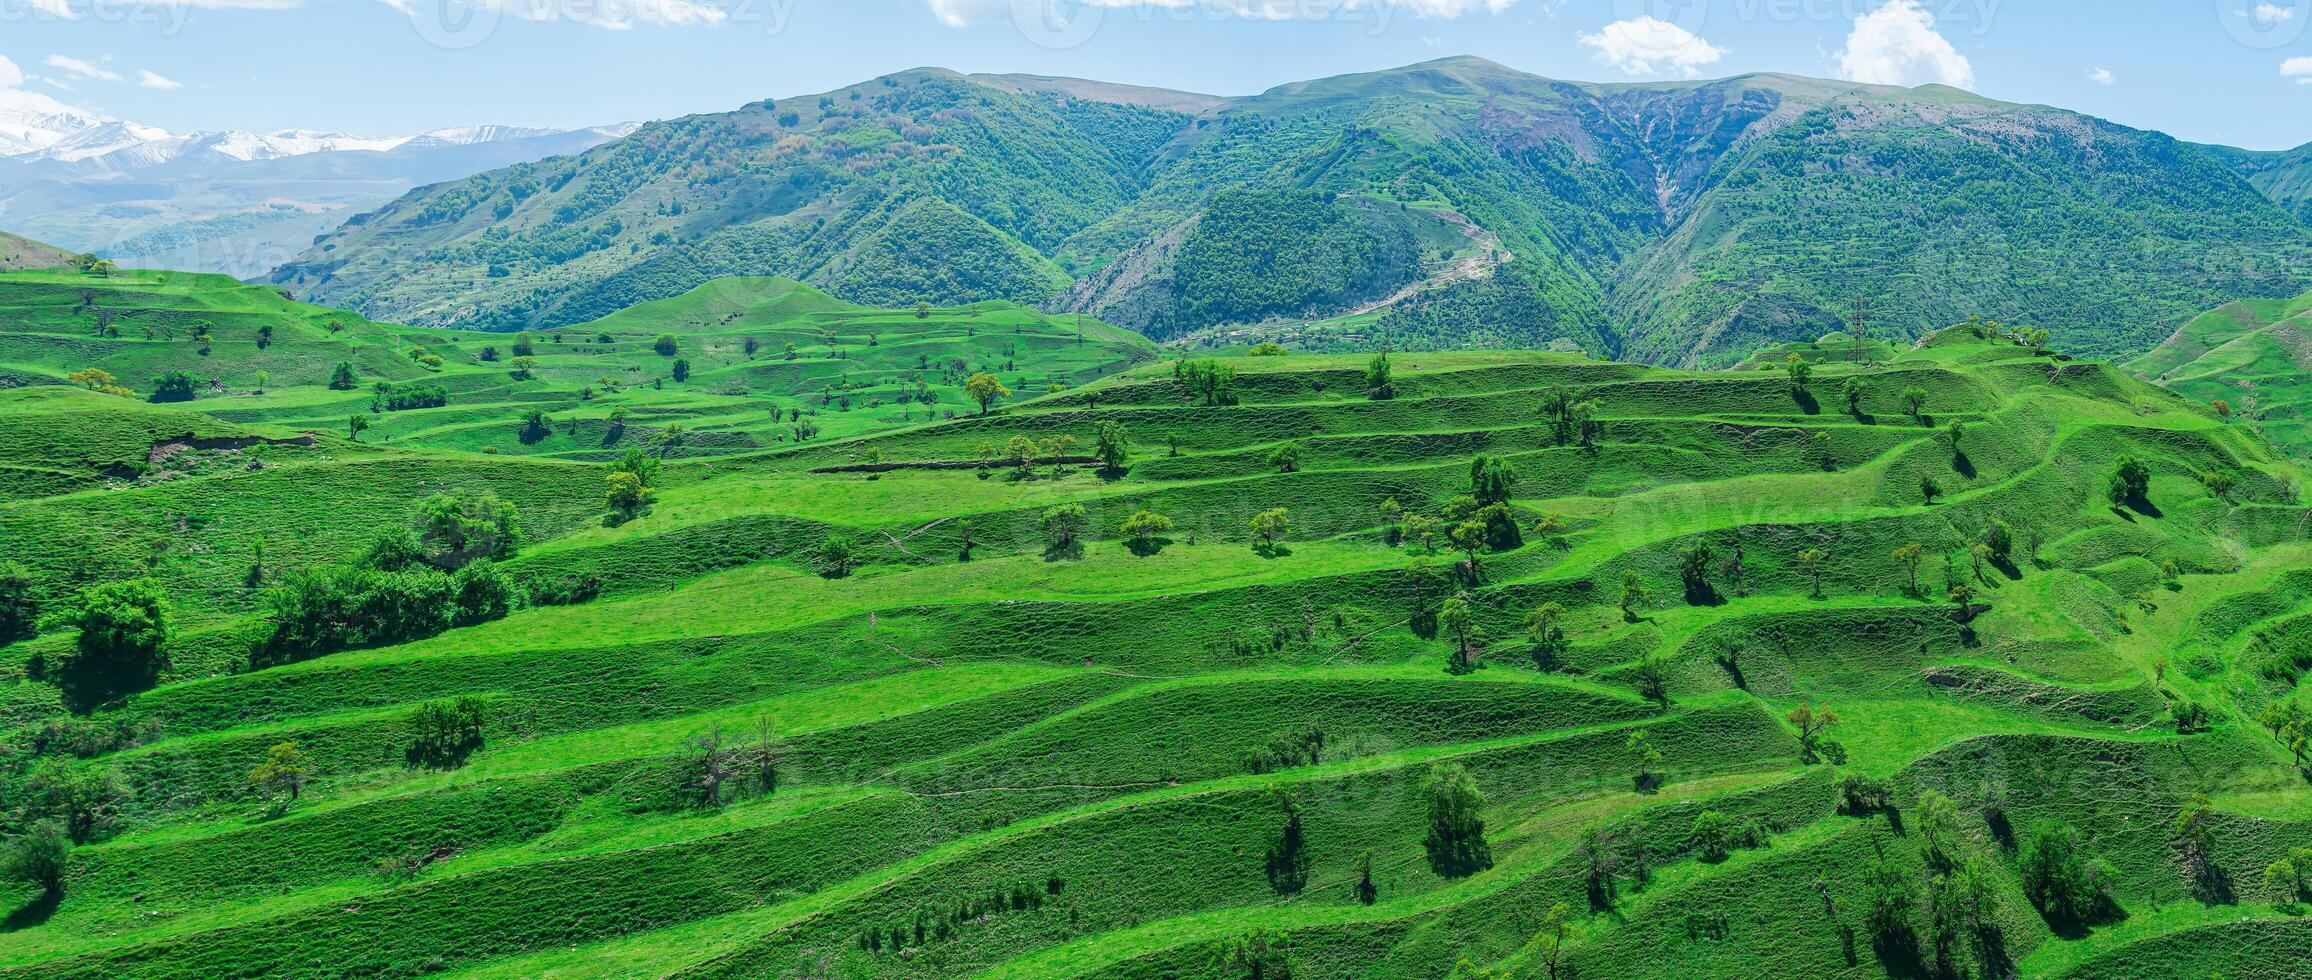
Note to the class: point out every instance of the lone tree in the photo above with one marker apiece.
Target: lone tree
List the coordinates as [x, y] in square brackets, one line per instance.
[1456, 840]
[1270, 525]
[341, 377]
[2130, 482]
[838, 555]
[282, 773]
[1380, 379]
[355, 425]
[1063, 525]
[665, 345]
[1915, 402]
[1852, 392]
[1113, 446]
[1144, 528]
[1460, 620]
[1549, 642]
[42, 856]
[1633, 596]
[1811, 722]
[985, 389]
[1909, 556]
[1285, 458]
[1812, 559]
[1801, 371]
[123, 628]
[1288, 858]
[1648, 758]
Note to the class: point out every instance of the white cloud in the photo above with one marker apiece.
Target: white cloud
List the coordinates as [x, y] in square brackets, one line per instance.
[1644, 45]
[960, 13]
[615, 15]
[81, 69]
[10, 75]
[59, 9]
[2270, 14]
[2299, 69]
[148, 79]
[2101, 76]
[1897, 45]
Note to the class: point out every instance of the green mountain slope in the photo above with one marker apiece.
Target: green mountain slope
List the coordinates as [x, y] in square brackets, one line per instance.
[1452, 203]
[2285, 176]
[898, 706]
[2255, 356]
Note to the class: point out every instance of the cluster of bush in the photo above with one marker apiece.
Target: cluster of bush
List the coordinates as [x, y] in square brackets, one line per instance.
[408, 585]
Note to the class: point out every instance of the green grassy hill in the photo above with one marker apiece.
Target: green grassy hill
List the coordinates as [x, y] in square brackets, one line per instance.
[2255, 356]
[898, 704]
[1454, 203]
[764, 362]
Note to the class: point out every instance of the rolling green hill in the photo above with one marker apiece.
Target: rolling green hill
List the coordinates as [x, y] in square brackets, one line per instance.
[762, 362]
[2255, 356]
[1455, 203]
[1411, 669]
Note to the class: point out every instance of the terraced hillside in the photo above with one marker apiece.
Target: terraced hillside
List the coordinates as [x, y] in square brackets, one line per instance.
[734, 365]
[1512, 662]
[2255, 356]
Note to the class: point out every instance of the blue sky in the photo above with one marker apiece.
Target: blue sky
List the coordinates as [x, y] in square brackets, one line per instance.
[2236, 71]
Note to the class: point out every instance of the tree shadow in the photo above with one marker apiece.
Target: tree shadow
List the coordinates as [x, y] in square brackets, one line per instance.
[1898, 954]
[1703, 594]
[32, 913]
[1266, 550]
[1806, 402]
[1070, 551]
[1961, 465]
[1147, 548]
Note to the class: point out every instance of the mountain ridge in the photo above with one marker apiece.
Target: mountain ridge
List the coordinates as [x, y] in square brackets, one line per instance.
[1652, 220]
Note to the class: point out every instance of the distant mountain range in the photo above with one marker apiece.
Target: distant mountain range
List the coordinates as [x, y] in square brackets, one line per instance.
[233, 202]
[1452, 203]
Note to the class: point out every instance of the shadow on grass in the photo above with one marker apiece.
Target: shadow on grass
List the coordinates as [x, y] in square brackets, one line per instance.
[32, 913]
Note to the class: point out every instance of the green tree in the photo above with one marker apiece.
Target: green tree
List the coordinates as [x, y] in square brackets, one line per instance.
[839, 555]
[986, 390]
[1062, 526]
[1113, 446]
[1801, 371]
[355, 425]
[1271, 524]
[19, 603]
[1812, 722]
[1929, 489]
[1456, 840]
[665, 345]
[1648, 758]
[1893, 895]
[41, 856]
[2059, 879]
[1549, 642]
[283, 772]
[1491, 480]
[84, 799]
[1811, 559]
[1210, 380]
[174, 386]
[2130, 482]
[1380, 379]
[522, 368]
[1852, 393]
[1460, 620]
[1915, 402]
[1712, 835]
[1145, 528]
[1938, 823]
[1288, 858]
[124, 628]
[1285, 458]
[681, 369]
[459, 529]
[1548, 944]
[626, 495]
[1633, 596]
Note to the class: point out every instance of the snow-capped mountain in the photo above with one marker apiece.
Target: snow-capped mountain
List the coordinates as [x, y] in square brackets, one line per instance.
[233, 202]
[92, 145]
